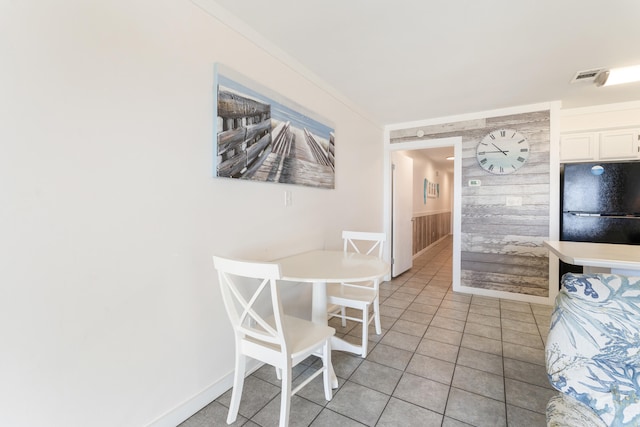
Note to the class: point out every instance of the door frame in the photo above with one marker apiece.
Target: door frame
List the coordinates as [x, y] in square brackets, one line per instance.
[411, 145]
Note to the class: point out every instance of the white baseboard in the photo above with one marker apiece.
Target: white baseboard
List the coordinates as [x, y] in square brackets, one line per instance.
[192, 405]
[430, 246]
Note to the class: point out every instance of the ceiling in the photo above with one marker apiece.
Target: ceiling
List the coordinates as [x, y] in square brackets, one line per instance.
[437, 155]
[407, 60]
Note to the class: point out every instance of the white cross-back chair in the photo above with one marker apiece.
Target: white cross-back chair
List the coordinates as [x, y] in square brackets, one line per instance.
[263, 332]
[363, 296]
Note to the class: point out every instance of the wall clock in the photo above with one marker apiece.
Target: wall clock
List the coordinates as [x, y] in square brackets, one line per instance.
[502, 151]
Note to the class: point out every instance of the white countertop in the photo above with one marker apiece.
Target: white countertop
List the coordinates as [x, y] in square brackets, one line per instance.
[605, 255]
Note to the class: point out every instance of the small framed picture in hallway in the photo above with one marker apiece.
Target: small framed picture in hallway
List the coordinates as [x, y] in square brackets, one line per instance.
[262, 136]
[432, 190]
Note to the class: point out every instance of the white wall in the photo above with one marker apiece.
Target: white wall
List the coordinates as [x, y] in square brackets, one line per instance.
[109, 310]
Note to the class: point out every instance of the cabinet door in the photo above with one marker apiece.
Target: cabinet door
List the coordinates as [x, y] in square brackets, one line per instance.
[578, 147]
[619, 144]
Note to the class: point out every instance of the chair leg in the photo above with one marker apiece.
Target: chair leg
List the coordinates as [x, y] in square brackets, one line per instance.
[365, 330]
[326, 364]
[236, 393]
[376, 315]
[285, 395]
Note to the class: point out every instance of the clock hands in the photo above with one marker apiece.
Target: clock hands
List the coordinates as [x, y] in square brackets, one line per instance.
[503, 152]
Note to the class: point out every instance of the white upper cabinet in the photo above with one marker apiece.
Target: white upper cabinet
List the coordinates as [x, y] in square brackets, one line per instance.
[578, 147]
[619, 144]
[606, 145]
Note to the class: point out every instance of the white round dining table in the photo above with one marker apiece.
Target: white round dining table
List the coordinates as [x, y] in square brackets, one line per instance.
[321, 267]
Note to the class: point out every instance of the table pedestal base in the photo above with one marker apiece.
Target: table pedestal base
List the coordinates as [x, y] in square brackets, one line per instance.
[342, 345]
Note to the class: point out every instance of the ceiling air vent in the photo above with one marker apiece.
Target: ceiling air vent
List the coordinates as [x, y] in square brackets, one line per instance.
[587, 76]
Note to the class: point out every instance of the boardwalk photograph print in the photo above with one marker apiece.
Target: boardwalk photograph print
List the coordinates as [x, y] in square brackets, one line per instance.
[261, 136]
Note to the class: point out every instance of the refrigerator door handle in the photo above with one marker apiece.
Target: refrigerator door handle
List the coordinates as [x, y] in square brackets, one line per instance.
[583, 213]
[604, 215]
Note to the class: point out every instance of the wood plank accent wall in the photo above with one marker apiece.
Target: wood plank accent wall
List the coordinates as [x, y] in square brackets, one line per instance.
[429, 228]
[501, 245]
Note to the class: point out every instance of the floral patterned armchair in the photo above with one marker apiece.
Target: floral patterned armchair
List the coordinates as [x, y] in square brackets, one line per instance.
[593, 351]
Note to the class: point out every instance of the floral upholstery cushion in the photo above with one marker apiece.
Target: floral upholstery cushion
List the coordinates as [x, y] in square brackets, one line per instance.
[565, 411]
[593, 347]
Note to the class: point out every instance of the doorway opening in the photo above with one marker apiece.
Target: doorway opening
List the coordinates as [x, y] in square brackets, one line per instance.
[417, 175]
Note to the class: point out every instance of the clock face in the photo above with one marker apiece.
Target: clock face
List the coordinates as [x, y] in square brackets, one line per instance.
[502, 151]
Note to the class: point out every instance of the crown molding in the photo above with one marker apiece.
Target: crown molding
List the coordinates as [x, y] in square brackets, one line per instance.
[236, 24]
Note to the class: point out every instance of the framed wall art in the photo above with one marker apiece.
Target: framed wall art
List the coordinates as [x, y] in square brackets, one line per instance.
[262, 136]
[432, 190]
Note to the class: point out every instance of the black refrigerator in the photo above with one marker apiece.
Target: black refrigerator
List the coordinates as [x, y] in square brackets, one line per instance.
[600, 203]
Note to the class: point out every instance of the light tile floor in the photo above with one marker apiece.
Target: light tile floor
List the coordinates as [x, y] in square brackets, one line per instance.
[443, 359]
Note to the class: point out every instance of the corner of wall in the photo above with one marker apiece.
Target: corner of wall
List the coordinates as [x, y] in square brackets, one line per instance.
[186, 409]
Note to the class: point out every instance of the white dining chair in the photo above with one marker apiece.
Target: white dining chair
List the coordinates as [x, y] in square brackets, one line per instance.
[363, 296]
[263, 332]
